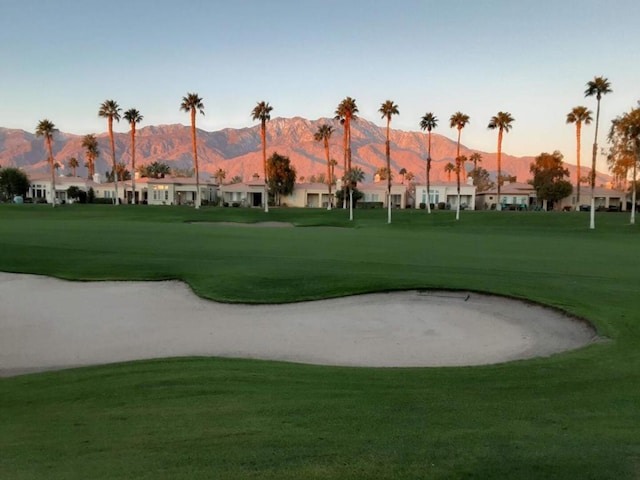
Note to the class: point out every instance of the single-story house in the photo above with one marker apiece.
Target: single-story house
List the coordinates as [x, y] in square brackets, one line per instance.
[176, 191]
[446, 194]
[245, 194]
[40, 187]
[513, 196]
[313, 195]
[377, 192]
[605, 199]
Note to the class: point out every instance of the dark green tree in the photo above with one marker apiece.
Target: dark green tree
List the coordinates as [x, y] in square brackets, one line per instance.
[154, 170]
[13, 181]
[281, 175]
[549, 177]
[481, 179]
[122, 173]
[76, 193]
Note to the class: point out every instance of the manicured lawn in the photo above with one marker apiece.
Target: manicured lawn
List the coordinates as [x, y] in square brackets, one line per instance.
[574, 415]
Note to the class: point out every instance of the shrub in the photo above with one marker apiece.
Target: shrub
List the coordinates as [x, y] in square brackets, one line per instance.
[423, 205]
[370, 205]
[441, 205]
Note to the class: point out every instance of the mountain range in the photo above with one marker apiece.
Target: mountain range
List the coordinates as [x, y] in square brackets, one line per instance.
[238, 151]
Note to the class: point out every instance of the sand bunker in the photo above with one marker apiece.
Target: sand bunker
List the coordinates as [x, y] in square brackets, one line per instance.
[50, 324]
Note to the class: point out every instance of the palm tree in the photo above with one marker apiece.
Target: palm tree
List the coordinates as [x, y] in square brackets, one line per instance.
[402, 172]
[598, 86]
[220, 175]
[502, 122]
[579, 115]
[72, 163]
[346, 113]
[387, 110]
[47, 129]
[90, 144]
[323, 134]
[192, 103]
[448, 168]
[133, 117]
[111, 111]
[458, 120]
[262, 112]
[476, 158]
[428, 122]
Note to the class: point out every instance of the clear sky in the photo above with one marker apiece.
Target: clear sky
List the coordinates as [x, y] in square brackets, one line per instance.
[61, 59]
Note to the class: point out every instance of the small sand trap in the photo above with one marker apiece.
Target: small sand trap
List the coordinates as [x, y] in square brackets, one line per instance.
[47, 324]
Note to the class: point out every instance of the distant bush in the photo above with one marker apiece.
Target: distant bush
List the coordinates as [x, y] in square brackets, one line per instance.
[442, 205]
[423, 206]
[370, 205]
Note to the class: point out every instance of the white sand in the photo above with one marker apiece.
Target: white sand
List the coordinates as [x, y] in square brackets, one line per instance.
[50, 324]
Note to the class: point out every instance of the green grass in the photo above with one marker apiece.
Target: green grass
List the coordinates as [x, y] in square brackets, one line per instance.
[574, 415]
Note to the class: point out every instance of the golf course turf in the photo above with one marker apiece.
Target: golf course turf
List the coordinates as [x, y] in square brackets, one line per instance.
[573, 415]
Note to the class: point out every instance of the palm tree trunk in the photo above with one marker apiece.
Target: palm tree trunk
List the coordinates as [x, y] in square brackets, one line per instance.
[388, 154]
[592, 215]
[53, 175]
[195, 156]
[458, 175]
[263, 134]
[329, 179]
[133, 163]
[499, 205]
[344, 183]
[428, 171]
[113, 159]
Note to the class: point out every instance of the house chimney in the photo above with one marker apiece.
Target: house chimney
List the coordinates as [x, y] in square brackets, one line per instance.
[96, 178]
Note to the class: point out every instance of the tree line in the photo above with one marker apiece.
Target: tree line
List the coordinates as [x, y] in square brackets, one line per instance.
[622, 158]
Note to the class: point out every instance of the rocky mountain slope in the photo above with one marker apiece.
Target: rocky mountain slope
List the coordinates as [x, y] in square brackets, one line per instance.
[238, 151]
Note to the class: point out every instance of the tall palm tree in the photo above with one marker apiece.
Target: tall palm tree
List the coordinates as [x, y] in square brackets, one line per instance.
[192, 103]
[428, 122]
[346, 112]
[72, 163]
[579, 115]
[458, 120]
[323, 134]
[47, 129]
[92, 152]
[597, 87]
[448, 168]
[387, 110]
[503, 123]
[133, 117]
[262, 112]
[110, 110]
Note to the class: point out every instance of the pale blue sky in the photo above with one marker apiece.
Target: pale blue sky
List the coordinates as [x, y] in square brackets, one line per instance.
[61, 59]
